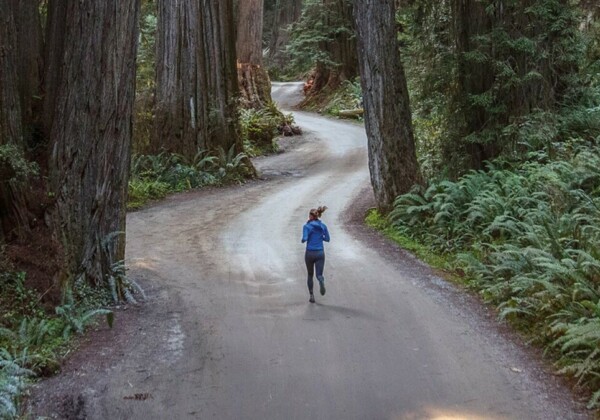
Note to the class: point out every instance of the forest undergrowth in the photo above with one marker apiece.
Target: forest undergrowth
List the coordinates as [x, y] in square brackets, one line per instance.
[525, 235]
[527, 239]
[154, 176]
[347, 96]
[36, 337]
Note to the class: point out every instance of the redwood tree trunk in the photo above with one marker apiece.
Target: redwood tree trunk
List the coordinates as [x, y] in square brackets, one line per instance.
[92, 49]
[10, 107]
[392, 158]
[196, 81]
[253, 80]
[343, 48]
[221, 88]
[180, 103]
[10, 118]
[471, 20]
[29, 40]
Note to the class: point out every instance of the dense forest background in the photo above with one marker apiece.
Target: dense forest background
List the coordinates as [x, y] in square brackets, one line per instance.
[483, 119]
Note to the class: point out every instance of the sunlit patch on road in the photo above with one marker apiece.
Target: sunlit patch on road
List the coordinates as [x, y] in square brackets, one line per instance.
[445, 414]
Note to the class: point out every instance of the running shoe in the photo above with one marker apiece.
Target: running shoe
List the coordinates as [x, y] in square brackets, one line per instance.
[322, 287]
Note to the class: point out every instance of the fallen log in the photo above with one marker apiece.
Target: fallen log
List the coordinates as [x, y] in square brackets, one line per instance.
[351, 113]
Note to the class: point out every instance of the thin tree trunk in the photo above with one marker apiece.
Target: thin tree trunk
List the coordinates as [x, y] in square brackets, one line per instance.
[392, 158]
[91, 56]
[253, 80]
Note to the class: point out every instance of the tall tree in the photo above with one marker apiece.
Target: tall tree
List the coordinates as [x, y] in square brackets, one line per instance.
[180, 103]
[196, 78]
[392, 158]
[11, 133]
[220, 70]
[91, 51]
[340, 47]
[324, 38]
[26, 16]
[285, 13]
[253, 79]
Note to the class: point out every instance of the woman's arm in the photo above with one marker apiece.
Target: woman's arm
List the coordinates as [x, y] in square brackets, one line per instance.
[325, 233]
[305, 234]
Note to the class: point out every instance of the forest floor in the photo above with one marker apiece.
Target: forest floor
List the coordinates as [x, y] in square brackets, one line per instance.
[227, 331]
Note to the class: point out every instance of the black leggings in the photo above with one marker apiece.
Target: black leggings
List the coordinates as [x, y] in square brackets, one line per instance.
[314, 259]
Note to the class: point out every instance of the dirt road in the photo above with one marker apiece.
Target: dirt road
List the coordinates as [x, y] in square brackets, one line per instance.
[228, 332]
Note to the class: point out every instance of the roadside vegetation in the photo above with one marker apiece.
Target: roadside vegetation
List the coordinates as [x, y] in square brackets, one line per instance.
[345, 101]
[35, 337]
[523, 229]
[527, 238]
[154, 176]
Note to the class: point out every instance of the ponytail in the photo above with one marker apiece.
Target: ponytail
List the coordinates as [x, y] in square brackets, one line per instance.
[316, 213]
[321, 210]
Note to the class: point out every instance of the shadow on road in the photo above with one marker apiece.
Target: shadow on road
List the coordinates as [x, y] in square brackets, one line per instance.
[322, 312]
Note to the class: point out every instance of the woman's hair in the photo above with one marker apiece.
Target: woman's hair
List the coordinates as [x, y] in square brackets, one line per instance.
[316, 213]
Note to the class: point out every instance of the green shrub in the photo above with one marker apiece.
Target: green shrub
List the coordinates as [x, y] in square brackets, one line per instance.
[13, 165]
[260, 127]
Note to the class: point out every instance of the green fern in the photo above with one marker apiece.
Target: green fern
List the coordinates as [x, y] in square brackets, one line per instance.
[528, 237]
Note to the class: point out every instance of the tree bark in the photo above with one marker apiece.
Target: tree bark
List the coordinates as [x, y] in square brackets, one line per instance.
[10, 118]
[15, 217]
[392, 158]
[180, 103]
[10, 106]
[196, 80]
[221, 75]
[91, 53]
[253, 79]
[471, 20]
[53, 50]
[26, 16]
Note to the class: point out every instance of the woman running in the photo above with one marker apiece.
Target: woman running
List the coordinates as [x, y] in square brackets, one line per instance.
[314, 233]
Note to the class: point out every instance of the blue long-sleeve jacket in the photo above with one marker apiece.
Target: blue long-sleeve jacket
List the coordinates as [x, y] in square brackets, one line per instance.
[314, 233]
